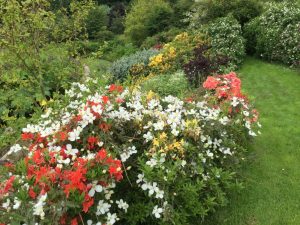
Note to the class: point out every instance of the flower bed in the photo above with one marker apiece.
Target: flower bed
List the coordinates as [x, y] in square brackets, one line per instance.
[115, 157]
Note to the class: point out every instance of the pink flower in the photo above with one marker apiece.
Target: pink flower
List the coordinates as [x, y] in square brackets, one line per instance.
[210, 83]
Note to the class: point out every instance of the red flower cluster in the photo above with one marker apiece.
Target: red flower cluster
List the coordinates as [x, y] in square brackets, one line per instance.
[225, 86]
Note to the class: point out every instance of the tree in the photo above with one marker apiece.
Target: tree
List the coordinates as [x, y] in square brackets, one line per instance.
[147, 18]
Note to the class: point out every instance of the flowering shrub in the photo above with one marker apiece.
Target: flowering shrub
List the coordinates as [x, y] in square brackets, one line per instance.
[112, 156]
[174, 54]
[275, 35]
[226, 39]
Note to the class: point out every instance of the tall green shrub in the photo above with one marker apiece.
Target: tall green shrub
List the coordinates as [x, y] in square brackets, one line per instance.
[147, 18]
[37, 54]
[227, 40]
[208, 10]
[275, 35]
[97, 22]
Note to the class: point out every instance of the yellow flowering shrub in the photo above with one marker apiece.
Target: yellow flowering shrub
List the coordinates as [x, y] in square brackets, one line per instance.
[176, 53]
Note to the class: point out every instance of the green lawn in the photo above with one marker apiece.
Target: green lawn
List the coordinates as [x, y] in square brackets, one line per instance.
[272, 174]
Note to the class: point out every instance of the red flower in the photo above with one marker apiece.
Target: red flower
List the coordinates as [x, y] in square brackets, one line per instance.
[210, 83]
[92, 141]
[38, 157]
[101, 154]
[104, 126]
[74, 221]
[88, 202]
[114, 87]
[8, 185]
[27, 136]
[105, 99]
[63, 136]
[31, 193]
[119, 100]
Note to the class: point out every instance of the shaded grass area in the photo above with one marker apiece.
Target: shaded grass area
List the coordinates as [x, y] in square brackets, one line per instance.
[272, 174]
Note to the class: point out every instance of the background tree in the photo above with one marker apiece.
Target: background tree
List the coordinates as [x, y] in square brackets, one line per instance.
[147, 18]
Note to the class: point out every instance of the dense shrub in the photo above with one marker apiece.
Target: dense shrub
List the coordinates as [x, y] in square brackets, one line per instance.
[121, 68]
[161, 38]
[202, 65]
[112, 156]
[209, 10]
[146, 18]
[275, 35]
[32, 69]
[97, 23]
[176, 53]
[226, 39]
[174, 84]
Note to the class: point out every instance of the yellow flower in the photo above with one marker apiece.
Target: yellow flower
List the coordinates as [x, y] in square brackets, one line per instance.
[150, 95]
[155, 142]
[156, 60]
[163, 136]
[172, 52]
[181, 36]
[43, 102]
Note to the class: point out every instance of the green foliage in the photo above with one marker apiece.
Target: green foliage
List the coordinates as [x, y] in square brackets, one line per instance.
[97, 23]
[227, 40]
[116, 48]
[174, 84]
[242, 10]
[147, 18]
[161, 38]
[32, 69]
[121, 68]
[275, 35]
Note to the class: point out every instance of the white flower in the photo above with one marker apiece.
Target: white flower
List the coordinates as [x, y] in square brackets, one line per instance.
[111, 218]
[234, 102]
[122, 205]
[153, 188]
[95, 188]
[70, 150]
[224, 120]
[102, 208]
[152, 162]
[159, 125]
[6, 204]
[17, 203]
[157, 211]
[15, 148]
[108, 194]
[127, 153]
[148, 136]
[246, 113]
[140, 178]
[159, 194]
[75, 134]
[38, 207]
[251, 133]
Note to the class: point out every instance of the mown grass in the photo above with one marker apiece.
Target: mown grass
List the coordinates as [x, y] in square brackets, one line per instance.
[272, 173]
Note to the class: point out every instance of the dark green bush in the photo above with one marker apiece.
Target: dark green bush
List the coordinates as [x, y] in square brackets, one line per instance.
[242, 10]
[97, 22]
[161, 38]
[146, 18]
[275, 35]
